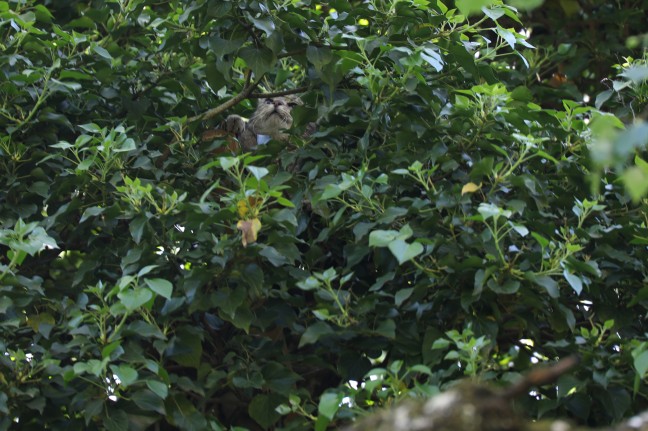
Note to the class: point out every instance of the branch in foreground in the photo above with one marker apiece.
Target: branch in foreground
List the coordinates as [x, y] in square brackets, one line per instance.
[474, 407]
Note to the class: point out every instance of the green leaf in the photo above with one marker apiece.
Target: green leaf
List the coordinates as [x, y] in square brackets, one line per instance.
[636, 73]
[495, 13]
[470, 7]
[422, 369]
[3, 399]
[330, 191]
[541, 240]
[641, 363]
[260, 60]
[275, 42]
[492, 211]
[5, 303]
[186, 347]
[329, 404]
[433, 58]
[402, 295]
[228, 162]
[459, 53]
[85, 164]
[311, 283]
[603, 97]
[93, 366]
[635, 179]
[264, 24]
[257, 172]
[117, 420]
[262, 409]
[405, 232]
[319, 56]
[566, 384]
[145, 270]
[387, 328]
[382, 238]
[520, 229]
[102, 52]
[574, 281]
[548, 283]
[509, 286]
[286, 203]
[148, 401]
[314, 332]
[91, 212]
[274, 257]
[243, 318]
[126, 374]
[507, 35]
[525, 5]
[135, 298]
[403, 251]
[221, 47]
[107, 351]
[160, 286]
[136, 228]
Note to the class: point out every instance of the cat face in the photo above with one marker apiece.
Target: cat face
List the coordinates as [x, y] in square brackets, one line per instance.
[273, 115]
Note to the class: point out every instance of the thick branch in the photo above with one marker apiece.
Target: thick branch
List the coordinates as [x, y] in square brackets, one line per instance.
[247, 89]
[541, 376]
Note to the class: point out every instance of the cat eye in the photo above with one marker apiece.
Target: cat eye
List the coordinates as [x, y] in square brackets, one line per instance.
[269, 101]
[292, 104]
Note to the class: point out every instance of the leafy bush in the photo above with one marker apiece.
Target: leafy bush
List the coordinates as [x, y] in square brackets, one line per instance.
[445, 220]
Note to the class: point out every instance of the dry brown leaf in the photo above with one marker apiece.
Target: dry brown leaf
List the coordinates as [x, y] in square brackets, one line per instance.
[249, 230]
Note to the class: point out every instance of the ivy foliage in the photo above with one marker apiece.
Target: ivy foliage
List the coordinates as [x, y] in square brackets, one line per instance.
[460, 211]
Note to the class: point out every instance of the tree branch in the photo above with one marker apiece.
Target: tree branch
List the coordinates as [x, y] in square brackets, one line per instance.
[303, 50]
[245, 94]
[247, 89]
[278, 93]
[291, 53]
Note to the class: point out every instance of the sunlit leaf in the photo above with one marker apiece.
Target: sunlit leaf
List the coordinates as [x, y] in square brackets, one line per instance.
[470, 188]
[403, 251]
[574, 281]
[470, 7]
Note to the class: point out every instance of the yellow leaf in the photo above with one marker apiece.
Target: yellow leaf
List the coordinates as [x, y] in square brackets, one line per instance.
[35, 320]
[246, 204]
[470, 188]
[571, 7]
[249, 230]
[242, 208]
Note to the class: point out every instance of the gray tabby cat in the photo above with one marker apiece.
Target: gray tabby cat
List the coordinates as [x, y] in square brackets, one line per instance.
[269, 121]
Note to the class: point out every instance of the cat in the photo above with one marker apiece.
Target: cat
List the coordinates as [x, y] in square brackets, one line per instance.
[269, 121]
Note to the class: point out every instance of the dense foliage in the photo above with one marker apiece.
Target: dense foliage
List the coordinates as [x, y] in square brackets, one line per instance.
[470, 205]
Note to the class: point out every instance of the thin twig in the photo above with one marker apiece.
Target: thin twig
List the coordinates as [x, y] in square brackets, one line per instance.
[303, 50]
[249, 29]
[291, 53]
[278, 93]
